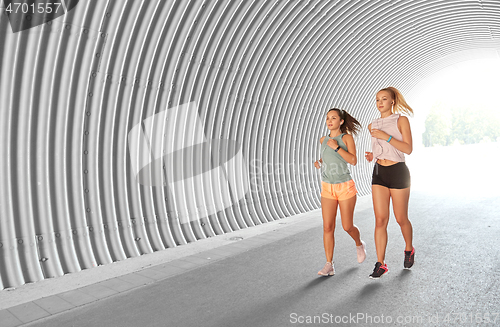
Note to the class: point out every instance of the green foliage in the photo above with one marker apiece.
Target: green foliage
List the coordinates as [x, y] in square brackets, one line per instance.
[447, 126]
[437, 129]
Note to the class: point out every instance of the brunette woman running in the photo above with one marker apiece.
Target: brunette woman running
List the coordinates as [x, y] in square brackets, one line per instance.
[338, 189]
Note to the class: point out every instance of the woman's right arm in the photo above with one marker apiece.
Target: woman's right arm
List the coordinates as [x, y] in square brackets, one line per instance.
[318, 163]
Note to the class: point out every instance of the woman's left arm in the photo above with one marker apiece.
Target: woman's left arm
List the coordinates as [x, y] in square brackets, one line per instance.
[405, 146]
[349, 155]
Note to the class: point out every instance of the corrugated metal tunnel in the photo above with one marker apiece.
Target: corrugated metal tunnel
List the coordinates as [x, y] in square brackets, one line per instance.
[129, 127]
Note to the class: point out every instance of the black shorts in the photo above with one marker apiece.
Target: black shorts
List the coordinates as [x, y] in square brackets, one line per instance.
[394, 176]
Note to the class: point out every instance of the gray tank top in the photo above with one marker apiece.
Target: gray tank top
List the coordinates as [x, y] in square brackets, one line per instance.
[334, 168]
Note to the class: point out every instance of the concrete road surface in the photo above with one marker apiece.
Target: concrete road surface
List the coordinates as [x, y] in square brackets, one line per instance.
[454, 281]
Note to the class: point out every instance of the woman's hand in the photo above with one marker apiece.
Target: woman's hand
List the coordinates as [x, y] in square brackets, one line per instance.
[378, 134]
[317, 164]
[369, 156]
[332, 143]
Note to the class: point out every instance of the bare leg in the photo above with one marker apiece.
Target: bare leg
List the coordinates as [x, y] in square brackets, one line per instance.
[400, 199]
[381, 199]
[347, 216]
[329, 210]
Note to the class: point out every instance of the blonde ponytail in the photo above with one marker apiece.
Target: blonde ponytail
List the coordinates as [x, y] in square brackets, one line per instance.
[400, 104]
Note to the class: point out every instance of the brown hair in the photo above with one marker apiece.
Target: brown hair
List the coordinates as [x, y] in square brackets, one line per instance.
[400, 104]
[350, 125]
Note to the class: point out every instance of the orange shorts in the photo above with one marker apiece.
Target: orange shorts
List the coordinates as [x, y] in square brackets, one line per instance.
[339, 192]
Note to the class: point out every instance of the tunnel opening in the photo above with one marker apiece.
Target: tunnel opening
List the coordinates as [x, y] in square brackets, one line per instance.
[457, 129]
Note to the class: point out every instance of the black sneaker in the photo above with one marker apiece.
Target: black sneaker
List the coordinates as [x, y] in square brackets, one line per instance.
[409, 258]
[379, 270]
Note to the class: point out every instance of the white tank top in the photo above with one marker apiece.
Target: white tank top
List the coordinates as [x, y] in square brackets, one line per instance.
[382, 149]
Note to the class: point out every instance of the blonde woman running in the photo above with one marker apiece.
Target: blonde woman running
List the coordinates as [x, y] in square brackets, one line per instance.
[391, 140]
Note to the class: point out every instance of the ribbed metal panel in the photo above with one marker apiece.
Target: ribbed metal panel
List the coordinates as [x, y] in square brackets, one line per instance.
[129, 127]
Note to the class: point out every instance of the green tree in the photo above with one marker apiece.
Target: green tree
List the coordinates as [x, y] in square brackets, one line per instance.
[492, 129]
[437, 128]
[471, 126]
[446, 125]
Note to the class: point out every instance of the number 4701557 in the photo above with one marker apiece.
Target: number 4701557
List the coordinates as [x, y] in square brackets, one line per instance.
[479, 318]
[41, 8]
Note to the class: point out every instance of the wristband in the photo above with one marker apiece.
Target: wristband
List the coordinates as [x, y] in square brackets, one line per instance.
[390, 138]
[337, 149]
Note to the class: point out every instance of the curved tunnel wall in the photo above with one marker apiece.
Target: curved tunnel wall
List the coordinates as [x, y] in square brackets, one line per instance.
[129, 127]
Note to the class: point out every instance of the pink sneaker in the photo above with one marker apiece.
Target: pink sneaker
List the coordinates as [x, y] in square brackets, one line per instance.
[327, 270]
[361, 250]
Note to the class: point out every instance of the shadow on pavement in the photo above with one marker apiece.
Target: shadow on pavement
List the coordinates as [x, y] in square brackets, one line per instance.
[369, 289]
